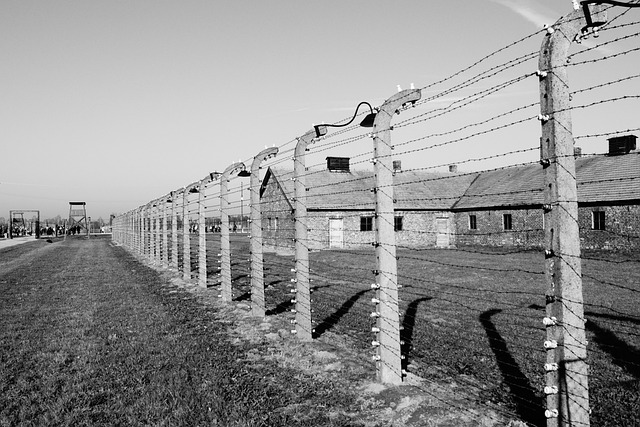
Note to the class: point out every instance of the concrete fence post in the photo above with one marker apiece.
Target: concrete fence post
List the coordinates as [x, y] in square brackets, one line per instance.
[387, 343]
[120, 228]
[148, 232]
[567, 393]
[131, 218]
[152, 236]
[151, 231]
[165, 233]
[302, 295]
[202, 236]
[125, 240]
[186, 238]
[225, 245]
[129, 235]
[147, 237]
[174, 230]
[257, 273]
[123, 222]
[140, 231]
[157, 258]
[129, 229]
[143, 231]
[123, 229]
[132, 230]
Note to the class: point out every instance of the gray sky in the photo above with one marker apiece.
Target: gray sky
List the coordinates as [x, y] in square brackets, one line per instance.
[118, 102]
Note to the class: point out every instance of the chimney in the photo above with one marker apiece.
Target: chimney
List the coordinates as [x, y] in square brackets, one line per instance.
[453, 168]
[397, 166]
[621, 144]
[577, 152]
[338, 164]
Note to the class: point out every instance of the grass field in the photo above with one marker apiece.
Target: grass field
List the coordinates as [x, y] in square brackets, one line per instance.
[90, 336]
[473, 318]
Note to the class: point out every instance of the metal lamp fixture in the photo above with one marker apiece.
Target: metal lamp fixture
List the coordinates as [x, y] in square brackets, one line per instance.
[367, 122]
[587, 13]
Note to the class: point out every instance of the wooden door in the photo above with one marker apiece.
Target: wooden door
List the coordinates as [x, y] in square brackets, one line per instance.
[442, 235]
[336, 233]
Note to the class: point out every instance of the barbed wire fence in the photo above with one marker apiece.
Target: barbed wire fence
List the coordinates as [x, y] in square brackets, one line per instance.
[484, 271]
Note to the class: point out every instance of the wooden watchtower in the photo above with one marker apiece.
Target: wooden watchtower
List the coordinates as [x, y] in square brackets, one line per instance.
[78, 217]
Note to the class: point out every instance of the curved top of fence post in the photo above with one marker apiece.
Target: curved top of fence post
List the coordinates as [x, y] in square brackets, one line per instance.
[392, 105]
[192, 188]
[231, 169]
[563, 32]
[202, 184]
[261, 157]
[177, 192]
[303, 141]
[212, 176]
[254, 179]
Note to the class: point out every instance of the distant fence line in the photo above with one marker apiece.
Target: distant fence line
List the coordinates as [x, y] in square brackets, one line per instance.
[154, 229]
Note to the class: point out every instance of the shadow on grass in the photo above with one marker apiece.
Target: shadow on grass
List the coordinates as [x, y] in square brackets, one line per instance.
[244, 297]
[623, 354]
[280, 308]
[286, 305]
[408, 325]
[330, 321]
[528, 405]
[239, 276]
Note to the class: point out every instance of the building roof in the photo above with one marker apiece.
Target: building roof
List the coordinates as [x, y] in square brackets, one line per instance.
[600, 179]
[353, 190]
[608, 178]
[513, 186]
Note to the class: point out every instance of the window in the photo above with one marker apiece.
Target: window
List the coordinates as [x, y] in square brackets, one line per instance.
[473, 223]
[598, 220]
[397, 223]
[366, 223]
[275, 224]
[268, 223]
[507, 222]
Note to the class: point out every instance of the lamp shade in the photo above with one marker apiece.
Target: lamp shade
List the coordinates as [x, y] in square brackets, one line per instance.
[367, 122]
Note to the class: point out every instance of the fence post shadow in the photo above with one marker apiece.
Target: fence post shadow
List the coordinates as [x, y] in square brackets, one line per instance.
[623, 354]
[243, 297]
[408, 325]
[331, 320]
[280, 308]
[528, 405]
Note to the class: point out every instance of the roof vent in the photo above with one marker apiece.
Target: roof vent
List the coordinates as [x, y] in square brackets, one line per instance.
[338, 164]
[397, 165]
[453, 168]
[621, 144]
[577, 152]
